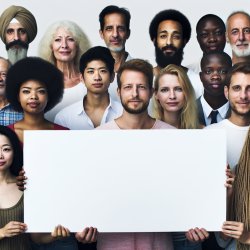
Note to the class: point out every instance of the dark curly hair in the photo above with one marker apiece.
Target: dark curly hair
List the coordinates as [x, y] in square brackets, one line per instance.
[17, 162]
[174, 15]
[34, 68]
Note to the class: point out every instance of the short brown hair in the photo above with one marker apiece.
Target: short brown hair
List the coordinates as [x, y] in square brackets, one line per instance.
[139, 65]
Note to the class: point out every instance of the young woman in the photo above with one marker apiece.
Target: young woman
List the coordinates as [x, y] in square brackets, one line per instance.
[33, 86]
[174, 98]
[62, 45]
[11, 202]
[174, 103]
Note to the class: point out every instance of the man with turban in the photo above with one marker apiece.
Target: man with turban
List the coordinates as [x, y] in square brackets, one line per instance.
[18, 29]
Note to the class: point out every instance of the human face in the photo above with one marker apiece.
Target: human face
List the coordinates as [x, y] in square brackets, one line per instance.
[169, 37]
[238, 94]
[15, 31]
[64, 46]
[115, 32]
[170, 93]
[33, 97]
[213, 74]
[211, 36]
[3, 72]
[135, 93]
[238, 34]
[6, 153]
[97, 77]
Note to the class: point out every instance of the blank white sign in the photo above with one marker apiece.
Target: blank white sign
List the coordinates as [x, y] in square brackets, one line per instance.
[125, 180]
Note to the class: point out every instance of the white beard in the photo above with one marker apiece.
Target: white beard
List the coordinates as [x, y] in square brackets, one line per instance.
[16, 54]
[241, 52]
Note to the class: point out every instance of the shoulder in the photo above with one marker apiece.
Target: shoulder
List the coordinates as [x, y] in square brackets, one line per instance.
[108, 125]
[59, 127]
[222, 124]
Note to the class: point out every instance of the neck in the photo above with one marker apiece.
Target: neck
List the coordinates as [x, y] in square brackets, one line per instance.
[215, 102]
[92, 101]
[239, 120]
[3, 101]
[172, 118]
[119, 58]
[70, 73]
[135, 121]
[236, 59]
[34, 121]
[6, 177]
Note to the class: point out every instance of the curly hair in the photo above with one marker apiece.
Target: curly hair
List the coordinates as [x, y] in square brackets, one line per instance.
[34, 68]
[82, 41]
[174, 15]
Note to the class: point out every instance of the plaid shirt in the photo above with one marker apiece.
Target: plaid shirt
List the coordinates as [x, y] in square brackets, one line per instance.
[8, 115]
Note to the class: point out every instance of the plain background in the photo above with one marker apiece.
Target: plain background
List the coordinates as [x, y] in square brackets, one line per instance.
[85, 14]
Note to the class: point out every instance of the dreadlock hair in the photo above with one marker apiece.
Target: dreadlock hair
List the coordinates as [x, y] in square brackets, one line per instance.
[241, 194]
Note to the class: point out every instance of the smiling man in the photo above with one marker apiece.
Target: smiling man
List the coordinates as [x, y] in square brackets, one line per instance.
[18, 29]
[238, 36]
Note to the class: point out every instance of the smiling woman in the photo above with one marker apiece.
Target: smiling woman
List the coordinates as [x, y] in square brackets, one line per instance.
[62, 45]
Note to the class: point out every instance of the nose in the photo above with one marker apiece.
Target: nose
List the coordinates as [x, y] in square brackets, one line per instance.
[169, 40]
[241, 35]
[34, 95]
[243, 94]
[64, 43]
[97, 76]
[135, 91]
[16, 35]
[1, 154]
[212, 38]
[215, 75]
[172, 94]
[115, 32]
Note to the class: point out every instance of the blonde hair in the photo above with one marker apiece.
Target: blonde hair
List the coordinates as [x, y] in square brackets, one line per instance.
[82, 41]
[241, 194]
[189, 113]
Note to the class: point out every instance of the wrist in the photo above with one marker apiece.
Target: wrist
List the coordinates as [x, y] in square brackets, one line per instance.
[2, 236]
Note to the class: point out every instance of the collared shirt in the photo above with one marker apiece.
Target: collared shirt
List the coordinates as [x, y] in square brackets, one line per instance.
[75, 117]
[207, 110]
[8, 115]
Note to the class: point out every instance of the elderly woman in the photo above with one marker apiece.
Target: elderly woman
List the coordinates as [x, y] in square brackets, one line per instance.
[62, 45]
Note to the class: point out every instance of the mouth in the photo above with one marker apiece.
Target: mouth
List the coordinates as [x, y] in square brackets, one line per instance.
[97, 85]
[2, 163]
[115, 42]
[33, 104]
[172, 104]
[242, 45]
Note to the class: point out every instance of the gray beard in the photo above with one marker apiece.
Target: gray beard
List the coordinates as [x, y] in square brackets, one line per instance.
[16, 54]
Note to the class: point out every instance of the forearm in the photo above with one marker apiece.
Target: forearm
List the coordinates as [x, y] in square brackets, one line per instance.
[42, 238]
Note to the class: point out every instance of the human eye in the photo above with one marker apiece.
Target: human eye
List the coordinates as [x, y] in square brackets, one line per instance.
[127, 87]
[236, 87]
[42, 91]
[178, 89]
[121, 28]
[7, 149]
[90, 71]
[104, 71]
[58, 39]
[142, 87]
[247, 30]
[22, 31]
[3, 74]
[219, 33]
[203, 35]
[222, 71]
[234, 32]
[25, 91]
[108, 28]
[208, 71]
[177, 36]
[9, 31]
[71, 39]
[164, 90]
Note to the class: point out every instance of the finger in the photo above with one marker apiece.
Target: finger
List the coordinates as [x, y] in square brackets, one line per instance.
[199, 234]
[89, 234]
[205, 233]
[94, 236]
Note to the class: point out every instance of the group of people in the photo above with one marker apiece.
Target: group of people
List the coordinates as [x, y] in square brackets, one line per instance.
[72, 85]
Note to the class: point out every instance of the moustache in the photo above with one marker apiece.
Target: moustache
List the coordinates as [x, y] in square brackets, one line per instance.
[17, 43]
[168, 47]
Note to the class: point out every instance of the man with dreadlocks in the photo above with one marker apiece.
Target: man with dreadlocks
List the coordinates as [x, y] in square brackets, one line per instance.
[237, 91]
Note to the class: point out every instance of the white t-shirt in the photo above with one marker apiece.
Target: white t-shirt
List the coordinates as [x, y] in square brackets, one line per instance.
[236, 136]
[70, 96]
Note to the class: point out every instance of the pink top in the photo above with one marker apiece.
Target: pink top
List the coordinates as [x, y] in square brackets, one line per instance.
[157, 125]
[135, 241]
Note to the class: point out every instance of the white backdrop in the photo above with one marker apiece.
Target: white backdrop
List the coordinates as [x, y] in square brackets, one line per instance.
[85, 13]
